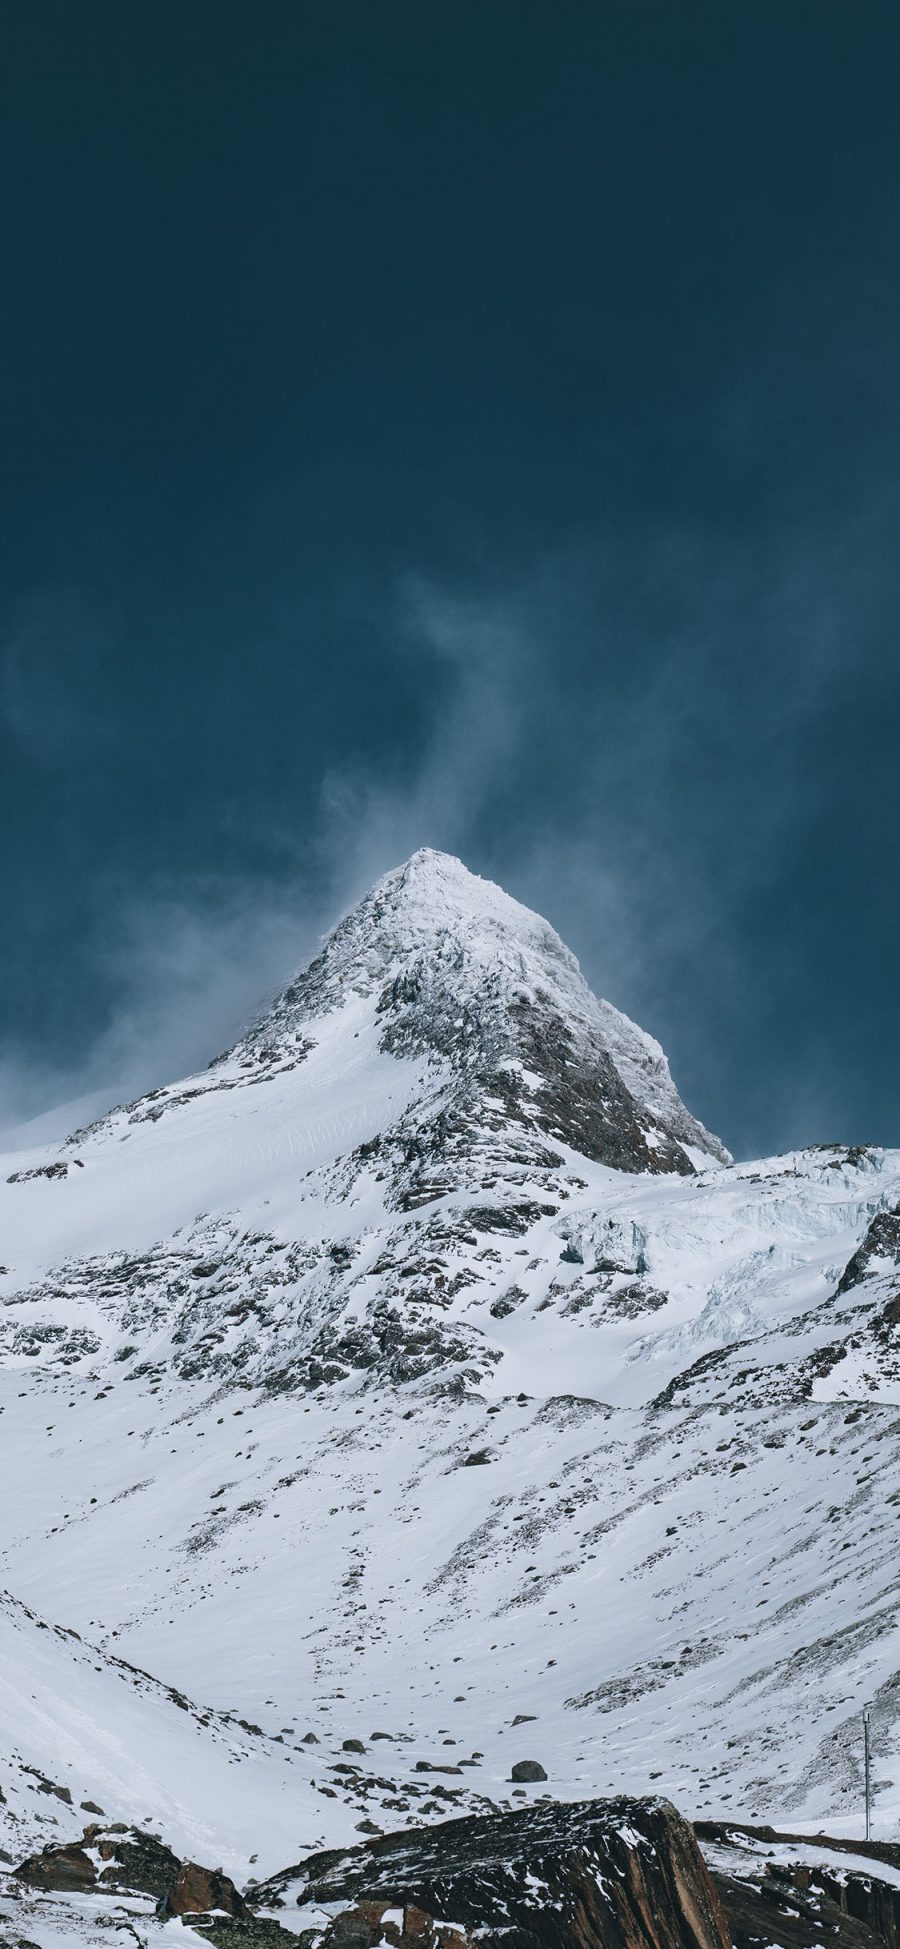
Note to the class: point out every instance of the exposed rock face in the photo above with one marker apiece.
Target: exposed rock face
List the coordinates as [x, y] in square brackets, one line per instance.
[882, 1241]
[124, 1859]
[139, 1863]
[196, 1890]
[859, 1898]
[625, 1874]
[800, 1903]
[66, 1869]
[465, 975]
[793, 1907]
[246, 1932]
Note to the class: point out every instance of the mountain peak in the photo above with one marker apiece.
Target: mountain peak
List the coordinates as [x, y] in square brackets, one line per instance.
[456, 970]
[436, 889]
[433, 908]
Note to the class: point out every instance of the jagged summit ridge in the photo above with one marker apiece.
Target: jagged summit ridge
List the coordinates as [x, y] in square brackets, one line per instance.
[467, 975]
[431, 907]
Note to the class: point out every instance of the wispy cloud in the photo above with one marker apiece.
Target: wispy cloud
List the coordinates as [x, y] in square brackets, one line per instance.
[484, 672]
[630, 737]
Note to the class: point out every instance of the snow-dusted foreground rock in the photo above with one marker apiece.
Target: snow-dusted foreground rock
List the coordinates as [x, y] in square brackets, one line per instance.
[783, 1888]
[423, 1375]
[618, 1874]
[623, 1874]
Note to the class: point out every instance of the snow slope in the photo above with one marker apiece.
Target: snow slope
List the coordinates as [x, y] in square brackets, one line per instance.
[422, 1367]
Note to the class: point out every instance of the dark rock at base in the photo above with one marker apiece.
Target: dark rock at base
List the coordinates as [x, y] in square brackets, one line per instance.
[793, 1908]
[527, 1770]
[140, 1863]
[131, 1862]
[64, 1870]
[256, 1932]
[352, 1746]
[729, 1832]
[603, 1874]
[195, 1890]
[798, 1904]
[364, 1925]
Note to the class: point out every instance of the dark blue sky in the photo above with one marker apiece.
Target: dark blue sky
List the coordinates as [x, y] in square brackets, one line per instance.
[475, 426]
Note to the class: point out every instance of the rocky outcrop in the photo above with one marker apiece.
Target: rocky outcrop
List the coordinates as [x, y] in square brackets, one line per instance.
[624, 1874]
[881, 1242]
[130, 1862]
[613, 1874]
[790, 1906]
[64, 1870]
[801, 1903]
[195, 1890]
[248, 1932]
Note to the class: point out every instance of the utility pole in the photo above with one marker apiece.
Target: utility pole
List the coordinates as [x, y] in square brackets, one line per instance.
[868, 1773]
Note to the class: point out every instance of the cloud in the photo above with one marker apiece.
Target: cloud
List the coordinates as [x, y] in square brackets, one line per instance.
[190, 960]
[629, 736]
[188, 965]
[482, 670]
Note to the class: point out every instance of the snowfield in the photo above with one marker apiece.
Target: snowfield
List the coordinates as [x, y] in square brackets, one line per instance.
[422, 1369]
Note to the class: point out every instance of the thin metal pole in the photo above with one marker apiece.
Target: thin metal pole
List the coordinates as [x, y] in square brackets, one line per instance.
[868, 1776]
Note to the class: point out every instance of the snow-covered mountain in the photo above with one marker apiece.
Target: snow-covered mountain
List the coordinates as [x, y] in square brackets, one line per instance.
[559, 1435]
